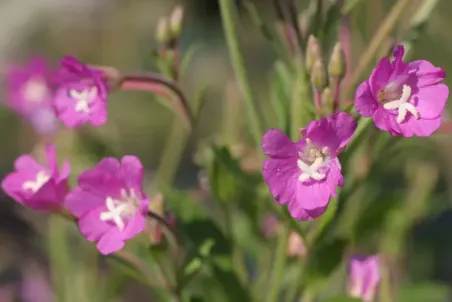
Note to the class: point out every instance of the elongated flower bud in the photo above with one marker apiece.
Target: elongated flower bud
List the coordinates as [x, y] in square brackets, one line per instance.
[336, 66]
[318, 75]
[163, 32]
[176, 21]
[313, 52]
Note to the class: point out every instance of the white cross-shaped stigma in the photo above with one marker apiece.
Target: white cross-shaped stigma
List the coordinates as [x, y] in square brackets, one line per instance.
[83, 98]
[402, 105]
[114, 213]
[34, 185]
[310, 171]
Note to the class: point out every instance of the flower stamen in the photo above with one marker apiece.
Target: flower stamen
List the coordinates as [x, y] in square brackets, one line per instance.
[117, 210]
[83, 98]
[402, 105]
[34, 185]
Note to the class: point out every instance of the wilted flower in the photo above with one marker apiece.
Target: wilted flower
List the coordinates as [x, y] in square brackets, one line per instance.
[403, 98]
[37, 186]
[364, 276]
[304, 174]
[29, 94]
[109, 202]
[81, 96]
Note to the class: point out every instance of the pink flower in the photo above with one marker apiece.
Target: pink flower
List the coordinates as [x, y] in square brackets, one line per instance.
[364, 277]
[37, 186]
[403, 98]
[110, 203]
[81, 96]
[30, 95]
[304, 174]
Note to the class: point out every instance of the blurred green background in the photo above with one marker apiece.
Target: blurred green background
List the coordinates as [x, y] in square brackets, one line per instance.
[120, 33]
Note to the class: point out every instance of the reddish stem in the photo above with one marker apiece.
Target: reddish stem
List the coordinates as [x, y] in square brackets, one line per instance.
[158, 84]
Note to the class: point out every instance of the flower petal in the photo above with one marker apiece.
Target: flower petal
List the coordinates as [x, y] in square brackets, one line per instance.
[426, 73]
[133, 171]
[431, 100]
[106, 178]
[281, 176]
[134, 226]
[297, 211]
[275, 143]
[419, 127]
[380, 76]
[313, 196]
[28, 163]
[110, 242]
[92, 227]
[343, 126]
[79, 201]
[386, 121]
[365, 102]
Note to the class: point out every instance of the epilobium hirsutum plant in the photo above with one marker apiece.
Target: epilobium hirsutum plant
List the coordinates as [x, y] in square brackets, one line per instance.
[281, 207]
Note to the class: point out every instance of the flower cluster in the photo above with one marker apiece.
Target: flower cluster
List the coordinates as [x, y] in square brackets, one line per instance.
[73, 93]
[108, 202]
[402, 98]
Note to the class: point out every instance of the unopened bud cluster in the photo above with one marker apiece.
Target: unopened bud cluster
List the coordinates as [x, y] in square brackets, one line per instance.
[169, 28]
[323, 75]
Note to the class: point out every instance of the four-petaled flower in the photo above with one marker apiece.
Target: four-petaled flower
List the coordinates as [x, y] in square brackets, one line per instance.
[109, 202]
[364, 277]
[37, 186]
[403, 98]
[81, 96]
[304, 174]
[28, 93]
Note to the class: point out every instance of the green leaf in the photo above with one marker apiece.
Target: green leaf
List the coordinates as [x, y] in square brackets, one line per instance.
[227, 179]
[93, 146]
[325, 257]
[127, 269]
[423, 292]
[350, 5]
[188, 56]
[281, 89]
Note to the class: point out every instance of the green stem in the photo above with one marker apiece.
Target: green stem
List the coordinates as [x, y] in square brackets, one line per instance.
[300, 94]
[172, 154]
[228, 9]
[278, 265]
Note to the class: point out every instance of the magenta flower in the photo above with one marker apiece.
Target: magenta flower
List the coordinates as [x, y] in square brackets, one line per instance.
[304, 174]
[403, 98]
[29, 94]
[37, 186]
[110, 203]
[364, 277]
[81, 96]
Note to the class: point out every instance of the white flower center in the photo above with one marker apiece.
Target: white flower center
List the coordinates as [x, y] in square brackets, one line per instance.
[83, 98]
[35, 90]
[312, 163]
[402, 105]
[117, 210]
[34, 185]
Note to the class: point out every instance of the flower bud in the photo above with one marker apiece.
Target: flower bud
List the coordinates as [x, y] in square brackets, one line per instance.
[163, 33]
[176, 20]
[318, 75]
[313, 52]
[336, 66]
[327, 98]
